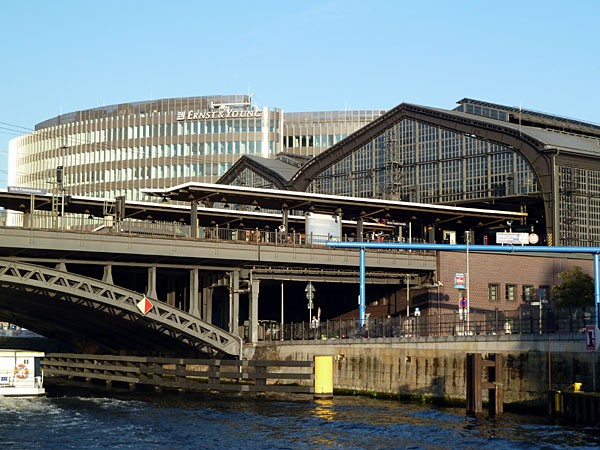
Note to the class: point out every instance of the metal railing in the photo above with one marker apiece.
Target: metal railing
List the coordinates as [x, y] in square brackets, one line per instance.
[189, 374]
[517, 322]
[40, 220]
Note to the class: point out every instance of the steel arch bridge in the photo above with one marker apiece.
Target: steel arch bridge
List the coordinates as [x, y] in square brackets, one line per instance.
[90, 314]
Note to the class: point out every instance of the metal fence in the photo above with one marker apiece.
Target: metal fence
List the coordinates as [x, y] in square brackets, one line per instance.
[519, 322]
[40, 220]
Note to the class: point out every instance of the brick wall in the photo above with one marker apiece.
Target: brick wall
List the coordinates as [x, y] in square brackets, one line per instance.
[502, 269]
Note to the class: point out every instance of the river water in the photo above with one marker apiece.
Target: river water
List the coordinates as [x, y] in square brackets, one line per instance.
[75, 418]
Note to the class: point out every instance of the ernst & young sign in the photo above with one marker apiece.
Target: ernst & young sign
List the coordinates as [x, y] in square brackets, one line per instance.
[219, 114]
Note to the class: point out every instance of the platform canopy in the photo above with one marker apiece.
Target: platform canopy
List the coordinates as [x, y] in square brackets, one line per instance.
[348, 207]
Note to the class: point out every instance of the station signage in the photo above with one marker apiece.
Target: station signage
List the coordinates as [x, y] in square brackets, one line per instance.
[27, 190]
[512, 238]
[219, 114]
[459, 280]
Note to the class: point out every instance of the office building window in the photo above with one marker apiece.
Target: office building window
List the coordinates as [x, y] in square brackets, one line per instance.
[527, 293]
[493, 290]
[511, 292]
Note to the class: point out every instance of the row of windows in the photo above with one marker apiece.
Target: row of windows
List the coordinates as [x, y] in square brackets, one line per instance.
[319, 140]
[528, 293]
[157, 130]
[36, 170]
[148, 173]
[483, 111]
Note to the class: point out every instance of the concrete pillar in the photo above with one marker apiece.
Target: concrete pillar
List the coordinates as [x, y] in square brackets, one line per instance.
[151, 291]
[107, 276]
[61, 266]
[234, 302]
[27, 220]
[431, 234]
[171, 290]
[253, 319]
[284, 219]
[207, 292]
[359, 229]
[194, 219]
[194, 288]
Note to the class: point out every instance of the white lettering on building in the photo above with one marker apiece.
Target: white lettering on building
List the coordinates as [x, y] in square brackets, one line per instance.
[220, 114]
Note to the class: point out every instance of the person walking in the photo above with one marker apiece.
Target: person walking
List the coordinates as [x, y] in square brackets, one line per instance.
[314, 325]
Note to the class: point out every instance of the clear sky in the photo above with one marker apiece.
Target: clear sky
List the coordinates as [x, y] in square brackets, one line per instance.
[296, 55]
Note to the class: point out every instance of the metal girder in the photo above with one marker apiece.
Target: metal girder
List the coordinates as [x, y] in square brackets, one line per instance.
[119, 303]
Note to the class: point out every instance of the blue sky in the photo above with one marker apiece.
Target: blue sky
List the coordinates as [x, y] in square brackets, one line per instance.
[299, 56]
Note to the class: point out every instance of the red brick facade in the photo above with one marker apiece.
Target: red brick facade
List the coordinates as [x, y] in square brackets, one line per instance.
[501, 269]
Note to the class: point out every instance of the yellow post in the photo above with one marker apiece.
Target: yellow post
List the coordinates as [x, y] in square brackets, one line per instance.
[323, 377]
[577, 387]
[558, 402]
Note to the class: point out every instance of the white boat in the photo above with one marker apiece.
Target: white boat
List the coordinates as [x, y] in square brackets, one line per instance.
[21, 374]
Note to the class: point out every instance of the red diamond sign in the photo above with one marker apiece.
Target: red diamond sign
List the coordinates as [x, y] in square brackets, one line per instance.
[144, 305]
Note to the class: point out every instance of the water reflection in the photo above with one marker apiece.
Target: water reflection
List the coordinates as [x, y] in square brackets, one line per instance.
[324, 409]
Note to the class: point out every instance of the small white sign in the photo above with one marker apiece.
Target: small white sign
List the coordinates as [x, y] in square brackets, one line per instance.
[512, 238]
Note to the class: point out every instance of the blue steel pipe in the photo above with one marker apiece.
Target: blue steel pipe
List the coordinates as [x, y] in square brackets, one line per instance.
[596, 285]
[361, 298]
[475, 248]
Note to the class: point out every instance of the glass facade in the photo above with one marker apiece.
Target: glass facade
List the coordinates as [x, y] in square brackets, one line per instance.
[310, 133]
[418, 162]
[118, 150]
[579, 199]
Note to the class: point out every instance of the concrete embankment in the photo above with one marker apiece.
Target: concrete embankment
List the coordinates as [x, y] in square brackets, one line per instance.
[436, 366]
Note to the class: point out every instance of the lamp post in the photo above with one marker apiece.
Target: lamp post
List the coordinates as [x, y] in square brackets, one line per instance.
[439, 284]
[467, 239]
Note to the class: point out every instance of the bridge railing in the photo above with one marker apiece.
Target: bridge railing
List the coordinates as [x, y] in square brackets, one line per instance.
[189, 374]
[525, 321]
[42, 220]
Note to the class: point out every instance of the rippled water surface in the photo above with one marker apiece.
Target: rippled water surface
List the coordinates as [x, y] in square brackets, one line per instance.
[102, 418]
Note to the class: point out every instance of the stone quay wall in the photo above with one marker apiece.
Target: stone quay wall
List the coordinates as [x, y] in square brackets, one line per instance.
[436, 367]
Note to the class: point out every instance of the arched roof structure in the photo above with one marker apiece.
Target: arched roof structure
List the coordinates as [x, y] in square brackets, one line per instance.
[543, 149]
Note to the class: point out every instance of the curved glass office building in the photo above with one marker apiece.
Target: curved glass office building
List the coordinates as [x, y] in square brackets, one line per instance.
[119, 149]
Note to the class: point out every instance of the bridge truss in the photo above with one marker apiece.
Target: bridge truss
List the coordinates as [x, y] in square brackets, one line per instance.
[62, 304]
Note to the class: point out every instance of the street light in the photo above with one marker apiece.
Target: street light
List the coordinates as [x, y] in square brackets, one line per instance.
[468, 241]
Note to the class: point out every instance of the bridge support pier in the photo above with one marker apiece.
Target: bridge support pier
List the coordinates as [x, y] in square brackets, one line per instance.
[234, 302]
[207, 294]
[194, 219]
[253, 319]
[172, 291]
[194, 288]
[151, 292]
[107, 276]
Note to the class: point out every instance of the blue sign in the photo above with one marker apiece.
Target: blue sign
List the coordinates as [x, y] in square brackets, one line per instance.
[459, 280]
[27, 190]
[463, 303]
